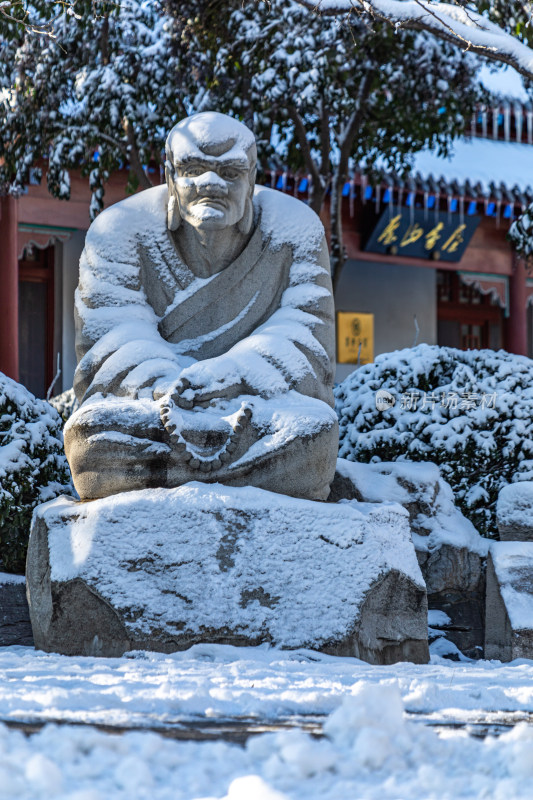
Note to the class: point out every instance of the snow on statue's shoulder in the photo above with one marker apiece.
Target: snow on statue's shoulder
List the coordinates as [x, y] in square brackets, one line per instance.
[120, 223]
[286, 220]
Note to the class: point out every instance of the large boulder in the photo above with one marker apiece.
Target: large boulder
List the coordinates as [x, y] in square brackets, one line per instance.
[509, 625]
[514, 512]
[451, 553]
[163, 569]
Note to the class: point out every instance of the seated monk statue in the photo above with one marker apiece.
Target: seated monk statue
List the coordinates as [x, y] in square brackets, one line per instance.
[204, 331]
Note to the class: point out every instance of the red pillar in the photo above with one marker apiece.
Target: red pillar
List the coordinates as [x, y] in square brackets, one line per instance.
[9, 288]
[516, 327]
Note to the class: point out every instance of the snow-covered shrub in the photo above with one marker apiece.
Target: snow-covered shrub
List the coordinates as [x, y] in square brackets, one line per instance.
[65, 404]
[470, 412]
[33, 467]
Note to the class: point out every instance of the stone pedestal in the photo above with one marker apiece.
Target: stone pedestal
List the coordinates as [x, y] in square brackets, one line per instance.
[163, 569]
[509, 621]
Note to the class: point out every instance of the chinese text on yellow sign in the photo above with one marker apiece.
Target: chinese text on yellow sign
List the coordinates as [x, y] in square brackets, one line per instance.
[355, 338]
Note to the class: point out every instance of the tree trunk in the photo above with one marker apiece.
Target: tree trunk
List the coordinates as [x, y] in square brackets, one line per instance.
[336, 243]
[316, 194]
[316, 197]
[104, 42]
[248, 115]
[133, 155]
[346, 140]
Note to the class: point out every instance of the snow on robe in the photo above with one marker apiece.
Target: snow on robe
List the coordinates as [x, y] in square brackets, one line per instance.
[265, 320]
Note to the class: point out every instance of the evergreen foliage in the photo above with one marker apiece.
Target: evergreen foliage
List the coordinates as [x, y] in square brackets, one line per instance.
[98, 95]
[33, 467]
[471, 412]
[65, 404]
[521, 235]
[319, 91]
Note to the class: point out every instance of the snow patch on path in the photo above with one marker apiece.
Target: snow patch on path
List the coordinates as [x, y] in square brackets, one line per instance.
[369, 751]
[218, 682]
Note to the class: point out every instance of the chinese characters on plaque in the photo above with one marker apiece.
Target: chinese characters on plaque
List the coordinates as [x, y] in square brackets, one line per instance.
[355, 338]
[412, 232]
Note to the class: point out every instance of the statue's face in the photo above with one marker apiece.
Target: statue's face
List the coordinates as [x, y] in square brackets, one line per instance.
[210, 171]
[212, 192]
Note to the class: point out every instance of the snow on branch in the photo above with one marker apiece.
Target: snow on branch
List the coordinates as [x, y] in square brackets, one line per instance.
[457, 24]
[24, 14]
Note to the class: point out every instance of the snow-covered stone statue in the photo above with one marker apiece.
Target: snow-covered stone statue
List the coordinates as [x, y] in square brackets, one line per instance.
[206, 435]
[205, 333]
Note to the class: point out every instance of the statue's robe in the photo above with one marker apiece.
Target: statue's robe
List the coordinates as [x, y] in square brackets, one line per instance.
[265, 322]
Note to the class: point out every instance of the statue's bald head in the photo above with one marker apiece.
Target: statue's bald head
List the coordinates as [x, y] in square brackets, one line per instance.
[210, 155]
[211, 134]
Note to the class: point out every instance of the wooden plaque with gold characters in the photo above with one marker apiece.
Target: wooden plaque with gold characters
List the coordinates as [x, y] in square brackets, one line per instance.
[419, 234]
[354, 331]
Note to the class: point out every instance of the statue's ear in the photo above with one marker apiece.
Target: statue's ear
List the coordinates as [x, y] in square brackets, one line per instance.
[173, 213]
[245, 223]
[173, 207]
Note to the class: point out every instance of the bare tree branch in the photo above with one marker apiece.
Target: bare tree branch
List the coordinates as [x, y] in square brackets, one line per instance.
[23, 15]
[345, 140]
[99, 135]
[301, 135]
[325, 145]
[319, 181]
[460, 26]
[130, 150]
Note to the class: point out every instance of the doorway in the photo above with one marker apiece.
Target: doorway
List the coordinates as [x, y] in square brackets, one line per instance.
[36, 319]
[466, 318]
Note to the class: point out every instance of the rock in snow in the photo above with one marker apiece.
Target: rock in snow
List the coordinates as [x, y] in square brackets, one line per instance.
[450, 551]
[163, 569]
[15, 627]
[509, 626]
[514, 512]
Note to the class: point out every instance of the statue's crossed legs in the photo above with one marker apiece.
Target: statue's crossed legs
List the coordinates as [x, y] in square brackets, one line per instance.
[117, 444]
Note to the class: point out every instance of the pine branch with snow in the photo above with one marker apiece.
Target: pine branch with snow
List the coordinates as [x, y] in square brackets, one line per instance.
[521, 235]
[324, 96]
[98, 96]
[459, 23]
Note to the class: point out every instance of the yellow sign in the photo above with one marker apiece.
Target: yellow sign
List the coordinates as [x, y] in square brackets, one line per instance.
[355, 338]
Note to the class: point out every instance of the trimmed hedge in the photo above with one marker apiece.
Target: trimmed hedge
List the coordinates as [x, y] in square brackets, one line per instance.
[65, 404]
[471, 412]
[33, 467]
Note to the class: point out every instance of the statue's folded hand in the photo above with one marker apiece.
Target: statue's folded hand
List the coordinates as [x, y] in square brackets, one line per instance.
[212, 379]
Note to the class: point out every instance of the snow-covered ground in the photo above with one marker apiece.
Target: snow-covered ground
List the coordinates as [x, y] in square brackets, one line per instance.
[377, 741]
